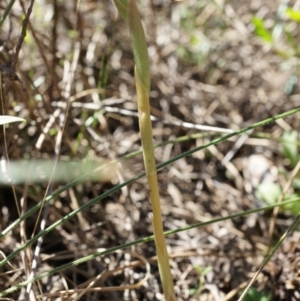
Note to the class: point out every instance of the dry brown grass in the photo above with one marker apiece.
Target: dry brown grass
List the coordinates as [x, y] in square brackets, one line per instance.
[230, 79]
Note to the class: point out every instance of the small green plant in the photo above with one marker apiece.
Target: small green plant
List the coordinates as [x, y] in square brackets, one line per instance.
[202, 272]
[198, 46]
[283, 39]
[269, 192]
[290, 147]
[255, 295]
[261, 29]
[293, 14]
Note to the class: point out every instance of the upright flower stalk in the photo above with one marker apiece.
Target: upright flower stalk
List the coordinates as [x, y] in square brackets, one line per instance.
[129, 12]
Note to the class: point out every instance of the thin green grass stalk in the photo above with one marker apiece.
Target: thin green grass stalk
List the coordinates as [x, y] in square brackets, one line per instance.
[116, 188]
[6, 12]
[145, 240]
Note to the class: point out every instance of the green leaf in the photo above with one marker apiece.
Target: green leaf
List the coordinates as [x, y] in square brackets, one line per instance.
[10, 119]
[255, 295]
[268, 192]
[296, 183]
[139, 45]
[261, 30]
[293, 208]
[122, 8]
[294, 15]
[290, 149]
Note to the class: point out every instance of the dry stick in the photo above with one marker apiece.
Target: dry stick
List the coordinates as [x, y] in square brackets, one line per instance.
[5, 149]
[178, 123]
[26, 255]
[40, 47]
[105, 274]
[8, 174]
[13, 68]
[88, 285]
[10, 67]
[57, 152]
[242, 139]
[54, 80]
[4, 43]
[22, 36]
[2, 110]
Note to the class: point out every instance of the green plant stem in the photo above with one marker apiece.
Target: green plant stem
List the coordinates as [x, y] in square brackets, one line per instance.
[6, 12]
[140, 241]
[142, 82]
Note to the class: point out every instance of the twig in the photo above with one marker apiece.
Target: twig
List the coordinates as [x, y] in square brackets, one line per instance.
[49, 190]
[10, 68]
[22, 37]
